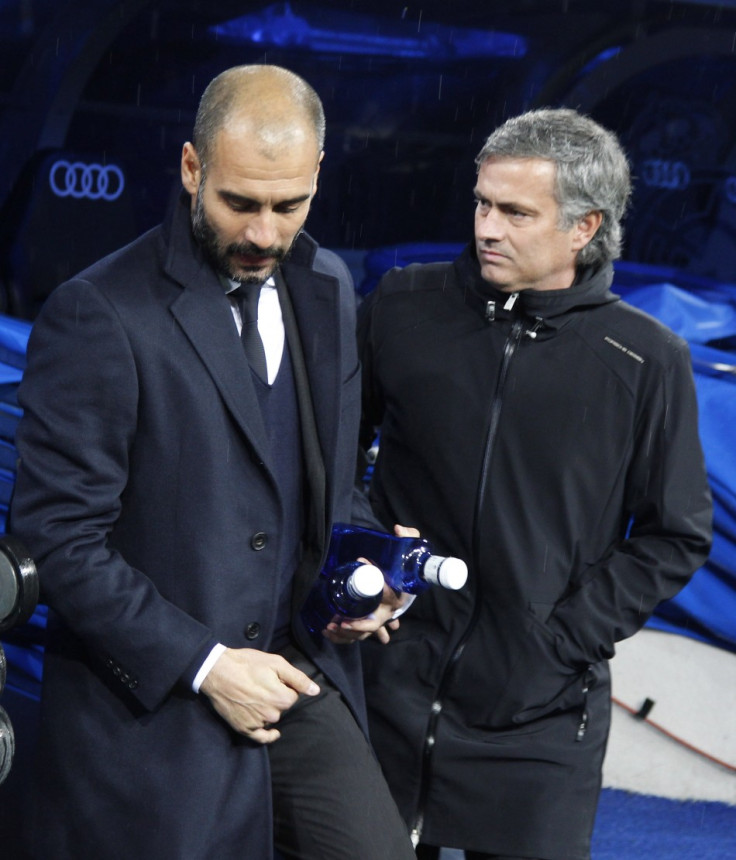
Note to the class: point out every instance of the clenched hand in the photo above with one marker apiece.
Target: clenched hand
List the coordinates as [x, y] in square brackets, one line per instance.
[250, 690]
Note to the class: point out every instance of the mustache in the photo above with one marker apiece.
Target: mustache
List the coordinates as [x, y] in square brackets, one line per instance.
[248, 249]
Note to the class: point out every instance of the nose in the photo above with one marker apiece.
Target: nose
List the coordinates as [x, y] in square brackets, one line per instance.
[489, 225]
[261, 229]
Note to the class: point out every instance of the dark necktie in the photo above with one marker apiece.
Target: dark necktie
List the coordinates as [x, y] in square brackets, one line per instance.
[247, 296]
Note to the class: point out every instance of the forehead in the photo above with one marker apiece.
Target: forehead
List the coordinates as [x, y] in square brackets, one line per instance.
[512, 179]
[240, 161]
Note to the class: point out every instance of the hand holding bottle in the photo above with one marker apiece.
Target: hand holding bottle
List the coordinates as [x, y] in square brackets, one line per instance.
[407, 561]
[347, 603]
[382, 620]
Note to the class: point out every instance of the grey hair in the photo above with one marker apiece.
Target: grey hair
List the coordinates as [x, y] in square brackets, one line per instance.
[591, 170]
[234, 87]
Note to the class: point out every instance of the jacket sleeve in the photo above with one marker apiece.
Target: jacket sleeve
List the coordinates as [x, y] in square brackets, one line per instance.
[80, 400]
[669, 531]
[372, 411]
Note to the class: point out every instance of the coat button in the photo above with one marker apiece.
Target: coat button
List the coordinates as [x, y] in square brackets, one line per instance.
[253, 630]
[259, 541]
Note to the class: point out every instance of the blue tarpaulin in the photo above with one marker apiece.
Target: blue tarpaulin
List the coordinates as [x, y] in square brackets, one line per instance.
[705, 316]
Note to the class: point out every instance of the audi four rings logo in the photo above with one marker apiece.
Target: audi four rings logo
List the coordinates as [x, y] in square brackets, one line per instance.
[86, 181]
[658, 173]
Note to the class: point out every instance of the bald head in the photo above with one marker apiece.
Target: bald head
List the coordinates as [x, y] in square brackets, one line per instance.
[271, 107]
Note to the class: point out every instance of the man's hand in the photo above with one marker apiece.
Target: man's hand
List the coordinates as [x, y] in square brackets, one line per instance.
[378, 623]
[250, 690]
[355, 629]
[406, 531]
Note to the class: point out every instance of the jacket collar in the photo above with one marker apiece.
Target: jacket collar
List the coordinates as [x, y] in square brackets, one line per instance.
[591, 288]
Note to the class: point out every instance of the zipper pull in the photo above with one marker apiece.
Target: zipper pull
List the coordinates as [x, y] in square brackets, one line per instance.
[511, 301]
[532, 332]
[582, 728]
[490, 311]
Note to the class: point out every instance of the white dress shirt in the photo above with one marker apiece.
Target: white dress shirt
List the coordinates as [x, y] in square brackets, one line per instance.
[270, 324]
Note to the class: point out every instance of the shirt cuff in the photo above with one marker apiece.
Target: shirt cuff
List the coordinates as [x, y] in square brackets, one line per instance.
[209, 662]
[402, 609]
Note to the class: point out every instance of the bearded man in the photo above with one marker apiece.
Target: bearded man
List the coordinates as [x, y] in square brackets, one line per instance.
[176, 488]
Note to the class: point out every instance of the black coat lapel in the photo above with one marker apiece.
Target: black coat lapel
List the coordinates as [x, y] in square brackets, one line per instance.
[314, 463]
[203, 312]
[315, 301]
[309, 308]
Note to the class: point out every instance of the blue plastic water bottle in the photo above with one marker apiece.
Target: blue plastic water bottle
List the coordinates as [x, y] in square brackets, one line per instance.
[350, 590]
[407, 563]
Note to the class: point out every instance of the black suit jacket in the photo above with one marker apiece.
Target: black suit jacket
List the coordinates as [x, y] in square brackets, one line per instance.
[146, 495]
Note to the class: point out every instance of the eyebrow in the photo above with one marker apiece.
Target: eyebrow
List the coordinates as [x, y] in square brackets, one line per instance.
[506, 204]
[233, 197]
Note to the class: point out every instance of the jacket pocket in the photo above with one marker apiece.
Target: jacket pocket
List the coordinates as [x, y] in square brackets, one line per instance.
[514, 676]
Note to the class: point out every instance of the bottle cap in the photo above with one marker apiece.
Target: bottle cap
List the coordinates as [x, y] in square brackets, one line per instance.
[452, 573]
[366, 580]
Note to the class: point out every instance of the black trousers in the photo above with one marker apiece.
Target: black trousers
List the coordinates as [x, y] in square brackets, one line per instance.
[330, 798]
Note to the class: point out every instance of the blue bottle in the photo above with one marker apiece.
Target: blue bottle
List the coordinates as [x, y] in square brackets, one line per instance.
[350, 590]
[407, 563]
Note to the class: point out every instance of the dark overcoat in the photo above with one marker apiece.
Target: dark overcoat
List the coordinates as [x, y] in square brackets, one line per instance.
[146, 494]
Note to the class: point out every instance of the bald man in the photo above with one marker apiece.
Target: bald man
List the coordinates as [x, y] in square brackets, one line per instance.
[176, 488]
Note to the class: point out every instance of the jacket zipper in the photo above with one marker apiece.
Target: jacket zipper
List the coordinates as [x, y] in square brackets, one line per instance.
[510, 347]
[584, 716]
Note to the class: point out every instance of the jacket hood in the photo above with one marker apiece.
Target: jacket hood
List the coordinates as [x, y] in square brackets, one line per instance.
[591, 288]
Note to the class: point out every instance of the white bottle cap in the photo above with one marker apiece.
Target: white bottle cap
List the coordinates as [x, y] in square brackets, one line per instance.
[447, 571]
[366, 581]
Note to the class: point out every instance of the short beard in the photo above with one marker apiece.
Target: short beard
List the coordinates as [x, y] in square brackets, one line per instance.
[218, 255]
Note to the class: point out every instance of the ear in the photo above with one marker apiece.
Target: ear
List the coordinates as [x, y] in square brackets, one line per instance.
[585, 229]
[316, 173]
[191, 170]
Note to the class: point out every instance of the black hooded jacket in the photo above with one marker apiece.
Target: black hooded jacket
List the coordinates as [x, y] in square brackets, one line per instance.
[549, 438]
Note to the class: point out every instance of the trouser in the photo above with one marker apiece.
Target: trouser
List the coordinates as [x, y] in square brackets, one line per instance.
[330, 798]
[431, 852]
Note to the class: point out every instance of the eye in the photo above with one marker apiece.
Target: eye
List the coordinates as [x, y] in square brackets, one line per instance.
[238, 205]
[483, 206]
